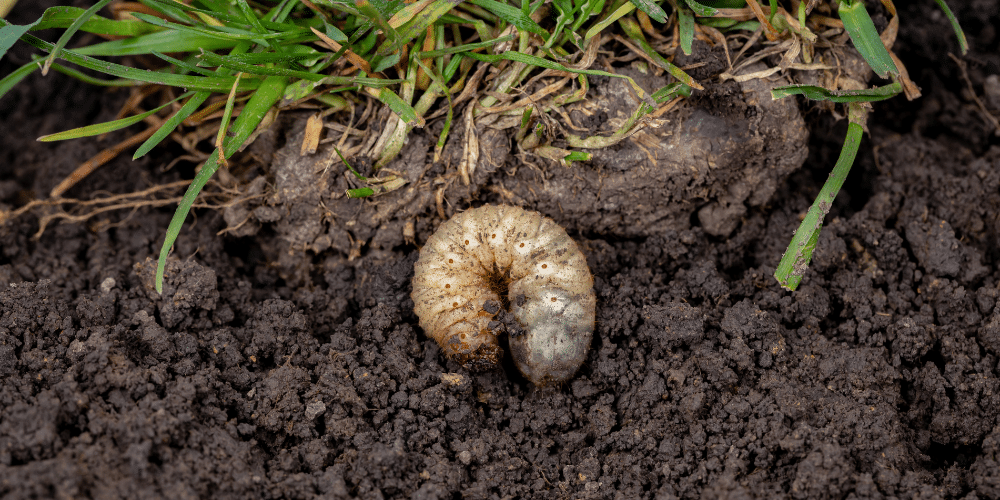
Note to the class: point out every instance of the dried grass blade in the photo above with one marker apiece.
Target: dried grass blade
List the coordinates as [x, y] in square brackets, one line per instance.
[632, 29]
[769, 31]
[89, 166]
[355, 59]
[545, 63]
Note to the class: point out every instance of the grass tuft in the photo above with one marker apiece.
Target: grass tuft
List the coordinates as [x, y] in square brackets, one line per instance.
[421, 59]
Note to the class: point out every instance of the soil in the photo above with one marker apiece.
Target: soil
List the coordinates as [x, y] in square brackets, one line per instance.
[278, 364]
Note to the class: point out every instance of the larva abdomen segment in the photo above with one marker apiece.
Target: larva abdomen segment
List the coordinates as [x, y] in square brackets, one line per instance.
[516, 258]
[445, 297]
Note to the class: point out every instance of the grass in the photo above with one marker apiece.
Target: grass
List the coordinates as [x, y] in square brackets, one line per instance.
[421, 59]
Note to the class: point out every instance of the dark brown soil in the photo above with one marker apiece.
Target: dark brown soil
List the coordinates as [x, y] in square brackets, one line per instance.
[261, 373]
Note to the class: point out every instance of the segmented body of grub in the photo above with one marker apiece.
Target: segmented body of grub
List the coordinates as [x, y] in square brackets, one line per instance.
[490, 262]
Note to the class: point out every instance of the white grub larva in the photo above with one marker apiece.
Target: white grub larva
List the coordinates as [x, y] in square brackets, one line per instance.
[490, 260]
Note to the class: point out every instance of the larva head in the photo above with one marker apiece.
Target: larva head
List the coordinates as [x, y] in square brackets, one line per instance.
[485, 357]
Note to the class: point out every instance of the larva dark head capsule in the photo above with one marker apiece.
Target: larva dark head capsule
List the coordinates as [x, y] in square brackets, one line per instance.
[512, 257]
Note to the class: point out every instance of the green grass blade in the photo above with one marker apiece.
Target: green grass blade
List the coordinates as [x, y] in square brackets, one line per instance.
[10, 33]
[686, 29]
[385, 63]
[617, 14]
[255, 24]
[718, 22]
[588, 8]
[227, 114]
[269, 93]
[182, 114]
[295, 53]
[442, 86]
[701, 9]
[360, 192]
[840, 96]
[190, 68]
[217, 84]
[176, 11]
[251, 17]
[281, 12]
[377, 13]
[426, 17]
[387, 8]
[728, 25]
[357, 80]
[349, 167]
[169, 8]
[398, 106]
[512, 15]
[8, 82]
[796, 258]
[366, 44]
[452, 68]
[963, 44]
[102, 128]
[164, 42]
[218, 32]
[861, 29]
[171, 123]
[68, 34]
[218, 7]
[213, 59]
[654, 11]
[407, 13]
[566, 10]
[469, 47]
[337, 35]
[85, 78]
[63, 17]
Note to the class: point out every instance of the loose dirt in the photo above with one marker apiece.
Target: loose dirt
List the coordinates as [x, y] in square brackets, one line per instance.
[276, 370]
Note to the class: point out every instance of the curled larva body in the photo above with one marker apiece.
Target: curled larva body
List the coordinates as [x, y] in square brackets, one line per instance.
[522, 261]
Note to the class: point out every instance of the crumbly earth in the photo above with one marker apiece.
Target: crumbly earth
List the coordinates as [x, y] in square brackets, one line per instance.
[878, 378]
